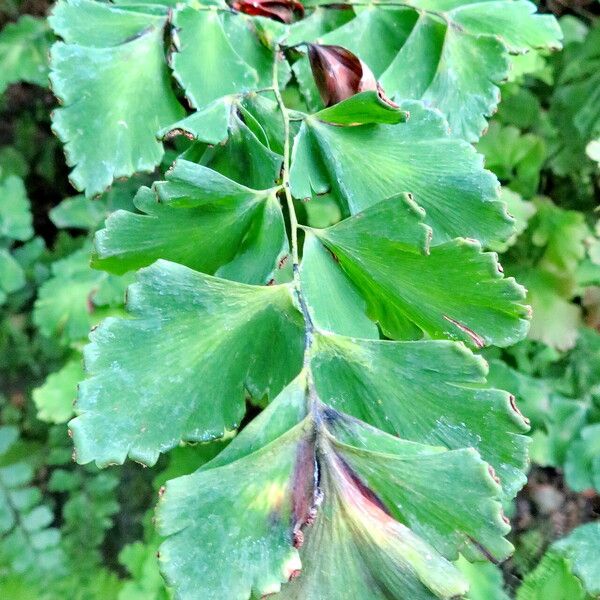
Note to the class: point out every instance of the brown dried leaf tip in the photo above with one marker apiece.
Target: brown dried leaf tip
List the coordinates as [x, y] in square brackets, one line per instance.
[284, 11]
[492, 473]
[515, 408]
[340, 74]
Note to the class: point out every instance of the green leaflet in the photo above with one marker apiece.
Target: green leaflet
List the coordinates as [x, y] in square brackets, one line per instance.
[225, 118]
[448, 291]
[223, 43]
[431, 392]
[562, 234]
[102, 584]
[584, 367]
[562, 405]
[263, 116]
[551, 580]
[551, 271]
[486, 581]
[12, 277]
[75, 297]
[78, 212]
[108, 49]
[574, 105]
[209, 124]
[383, 557]
[316, 23]
[533, 394]
[514, 157]
[452, 55]
[566, 419]
[365, 107]
[582, 464]
[335, 303]
[444, 175]
[54, 399]
[516, 22]
[15, 225]
[568, 570]
[88, 510]
[413, 481]
[261, 549]
[362, 510]
[579, 548]
[96, 26]
[146, 582]
[556, 320]
[521, 210]
[243, 158]
[201, 219]
[580, 455]
[28, 545]
[12, 162]
[187, 365]
[24, 48]
[15, 213]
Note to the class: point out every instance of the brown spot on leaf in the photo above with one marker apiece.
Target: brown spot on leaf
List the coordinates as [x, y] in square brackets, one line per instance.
[282, 261]
[477, 340]
[304, 492]
[493, 475]
[178, 131]
[298, 538]
[513, 405]
[90, 301]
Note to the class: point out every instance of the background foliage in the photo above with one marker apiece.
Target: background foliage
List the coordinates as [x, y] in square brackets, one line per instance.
[70, 531]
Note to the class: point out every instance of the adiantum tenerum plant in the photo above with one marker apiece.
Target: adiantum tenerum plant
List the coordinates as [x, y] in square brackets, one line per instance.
[380, 455]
